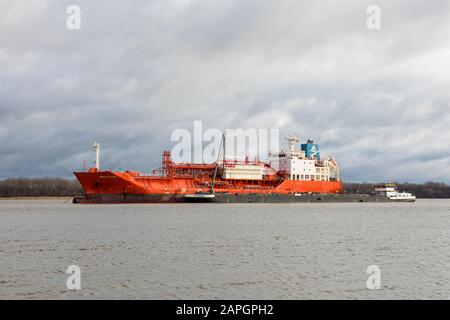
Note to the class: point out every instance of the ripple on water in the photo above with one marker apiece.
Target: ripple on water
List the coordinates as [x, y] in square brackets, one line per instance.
[270, 251]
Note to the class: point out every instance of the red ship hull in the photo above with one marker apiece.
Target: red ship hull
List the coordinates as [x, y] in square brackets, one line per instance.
[130, 187]
[225, 181]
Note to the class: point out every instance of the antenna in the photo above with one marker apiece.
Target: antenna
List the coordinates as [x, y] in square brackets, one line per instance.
[97, 146]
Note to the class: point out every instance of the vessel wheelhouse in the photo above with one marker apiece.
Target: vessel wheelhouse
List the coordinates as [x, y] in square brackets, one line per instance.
[390, 190]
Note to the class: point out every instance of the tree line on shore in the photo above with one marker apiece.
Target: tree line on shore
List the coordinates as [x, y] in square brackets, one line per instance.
[58, 187]
[41, 187]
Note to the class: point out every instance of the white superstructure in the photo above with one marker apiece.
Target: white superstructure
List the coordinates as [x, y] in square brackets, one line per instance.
[242, 171]
[299, 166]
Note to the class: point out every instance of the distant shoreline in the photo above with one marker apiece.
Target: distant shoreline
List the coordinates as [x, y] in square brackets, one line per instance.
[36, 198]
[58, 188]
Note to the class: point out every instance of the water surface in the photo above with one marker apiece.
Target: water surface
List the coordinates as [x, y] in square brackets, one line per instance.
[225, 251]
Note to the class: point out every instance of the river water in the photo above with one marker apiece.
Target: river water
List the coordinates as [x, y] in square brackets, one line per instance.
[225, 251]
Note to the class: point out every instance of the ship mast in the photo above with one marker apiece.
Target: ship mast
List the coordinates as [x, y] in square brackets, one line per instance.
[96, 146]
[222, 146]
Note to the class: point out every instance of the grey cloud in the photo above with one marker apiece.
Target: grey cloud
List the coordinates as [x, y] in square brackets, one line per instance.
[377, 100]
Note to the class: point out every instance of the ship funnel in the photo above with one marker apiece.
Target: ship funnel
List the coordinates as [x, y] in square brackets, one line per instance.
[96, 146]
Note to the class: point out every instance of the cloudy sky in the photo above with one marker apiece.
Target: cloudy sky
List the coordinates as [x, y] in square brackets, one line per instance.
[378, 100]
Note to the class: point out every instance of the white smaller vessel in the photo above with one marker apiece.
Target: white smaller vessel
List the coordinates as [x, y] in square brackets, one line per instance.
[390, 190]
[199, 196]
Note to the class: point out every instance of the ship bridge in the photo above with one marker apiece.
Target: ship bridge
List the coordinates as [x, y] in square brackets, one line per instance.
[305, 163]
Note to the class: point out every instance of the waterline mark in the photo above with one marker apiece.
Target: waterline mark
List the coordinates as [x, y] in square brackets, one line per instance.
[73, 21]
[74, 280]
[374, 280]
[373, 21]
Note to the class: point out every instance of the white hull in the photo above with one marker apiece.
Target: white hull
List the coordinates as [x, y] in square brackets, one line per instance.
[403, 199]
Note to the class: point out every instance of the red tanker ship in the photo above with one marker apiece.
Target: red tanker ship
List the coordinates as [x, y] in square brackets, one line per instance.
[301, 175]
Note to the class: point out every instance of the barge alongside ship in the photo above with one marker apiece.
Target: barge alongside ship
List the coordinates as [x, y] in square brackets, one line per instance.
[301, 176]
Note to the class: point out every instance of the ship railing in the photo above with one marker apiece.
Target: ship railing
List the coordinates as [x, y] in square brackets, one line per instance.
[240, 162]
[146, 174]
[163, 174]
